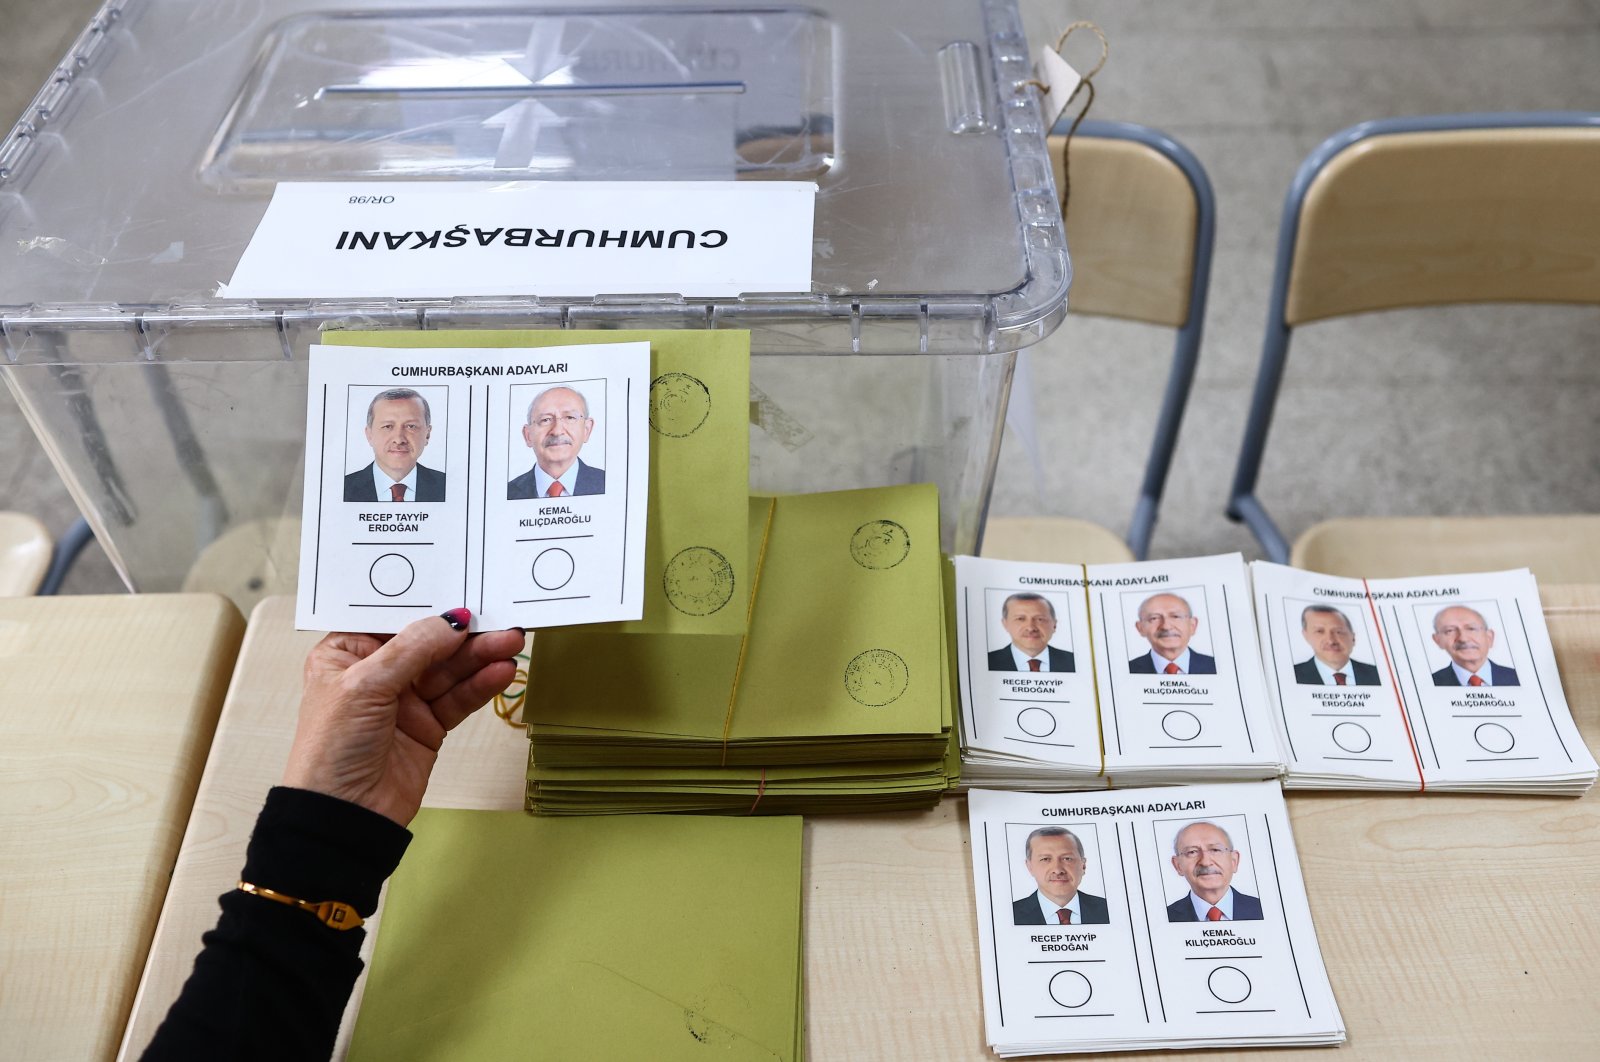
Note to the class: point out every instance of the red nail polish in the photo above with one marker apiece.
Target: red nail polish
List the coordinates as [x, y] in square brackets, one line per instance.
[458, 618]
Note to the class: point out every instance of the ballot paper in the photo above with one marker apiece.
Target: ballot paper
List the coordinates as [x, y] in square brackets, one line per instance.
[1075, 676]
[1438, 682]
[1138, 959]
[697, 566]
[422, 491]
[504, 936]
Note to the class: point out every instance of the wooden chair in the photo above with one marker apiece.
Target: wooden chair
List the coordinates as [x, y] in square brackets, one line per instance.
[1429, 211]
[1141, 221]
[24, 554]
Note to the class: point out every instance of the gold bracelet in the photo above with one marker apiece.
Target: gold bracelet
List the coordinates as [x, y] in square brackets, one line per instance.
[330, 913]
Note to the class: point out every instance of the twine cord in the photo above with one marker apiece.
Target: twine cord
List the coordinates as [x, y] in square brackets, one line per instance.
[1086, 83]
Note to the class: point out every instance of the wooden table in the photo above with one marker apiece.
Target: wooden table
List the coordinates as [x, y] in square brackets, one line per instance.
[106, 709]
[1451, 925]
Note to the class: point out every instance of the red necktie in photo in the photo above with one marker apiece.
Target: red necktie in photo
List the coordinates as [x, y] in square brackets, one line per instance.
[1033, 665]
[397, 492]
[1475, 680]
[1214, 915]
[1338, 678]
[556, 490]
[1172, 668]
[1064, 916]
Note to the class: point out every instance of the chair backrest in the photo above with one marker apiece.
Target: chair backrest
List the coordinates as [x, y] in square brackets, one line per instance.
[24, 554]
[1132, 225]
[1141, 222]
[1457, 215]
[1425, 211]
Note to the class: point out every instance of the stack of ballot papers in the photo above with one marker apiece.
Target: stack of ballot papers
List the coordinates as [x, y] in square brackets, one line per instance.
[1145, 918]
[834, 694]
[508, 936]
[1088, 676]
[1441, 682]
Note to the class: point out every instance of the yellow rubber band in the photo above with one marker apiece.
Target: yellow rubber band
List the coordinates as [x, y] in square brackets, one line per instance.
[755, 584]
[508, 704]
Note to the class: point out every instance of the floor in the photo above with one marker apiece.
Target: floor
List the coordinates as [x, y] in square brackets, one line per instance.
[1251, 86]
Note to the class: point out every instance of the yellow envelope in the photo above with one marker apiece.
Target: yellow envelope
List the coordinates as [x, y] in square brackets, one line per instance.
[630, 937]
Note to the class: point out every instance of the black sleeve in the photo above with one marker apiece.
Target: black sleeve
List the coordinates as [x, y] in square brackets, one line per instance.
[272, 981]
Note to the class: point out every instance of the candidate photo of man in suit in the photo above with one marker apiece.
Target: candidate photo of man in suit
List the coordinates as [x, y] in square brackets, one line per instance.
[399, 425]
[1030, 619]
[1331, 637]
[1467, 637]
[1203, 854]
[1167, 622]
[558, 425]
[1054, 857]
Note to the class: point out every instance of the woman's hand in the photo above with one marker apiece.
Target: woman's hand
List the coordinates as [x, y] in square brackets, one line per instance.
[376, 708]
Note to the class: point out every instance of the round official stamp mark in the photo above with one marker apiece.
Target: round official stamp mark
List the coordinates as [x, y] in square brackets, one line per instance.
[698, 581]
[879, 544]
[679, 404]
[876, 677]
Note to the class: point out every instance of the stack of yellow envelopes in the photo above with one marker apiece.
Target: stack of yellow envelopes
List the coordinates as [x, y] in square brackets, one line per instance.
[504, 936]
[837, 695]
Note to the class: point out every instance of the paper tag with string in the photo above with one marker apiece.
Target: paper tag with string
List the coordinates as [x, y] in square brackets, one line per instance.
[1056, 79]
[1061, 82]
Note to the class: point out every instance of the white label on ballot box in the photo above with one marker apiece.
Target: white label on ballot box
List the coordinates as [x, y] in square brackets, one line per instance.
[426, 239]
[511, 481]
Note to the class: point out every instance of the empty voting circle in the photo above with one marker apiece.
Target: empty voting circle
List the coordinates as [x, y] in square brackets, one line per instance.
[552, 569]
[1352, 737]
[392, 575]
[1180, 725]
[1493, 737]
[1036, 721]
[1229, 984]
[1071, 989]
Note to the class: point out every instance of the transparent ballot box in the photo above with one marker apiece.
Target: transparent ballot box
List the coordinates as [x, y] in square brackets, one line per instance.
[133, 182]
